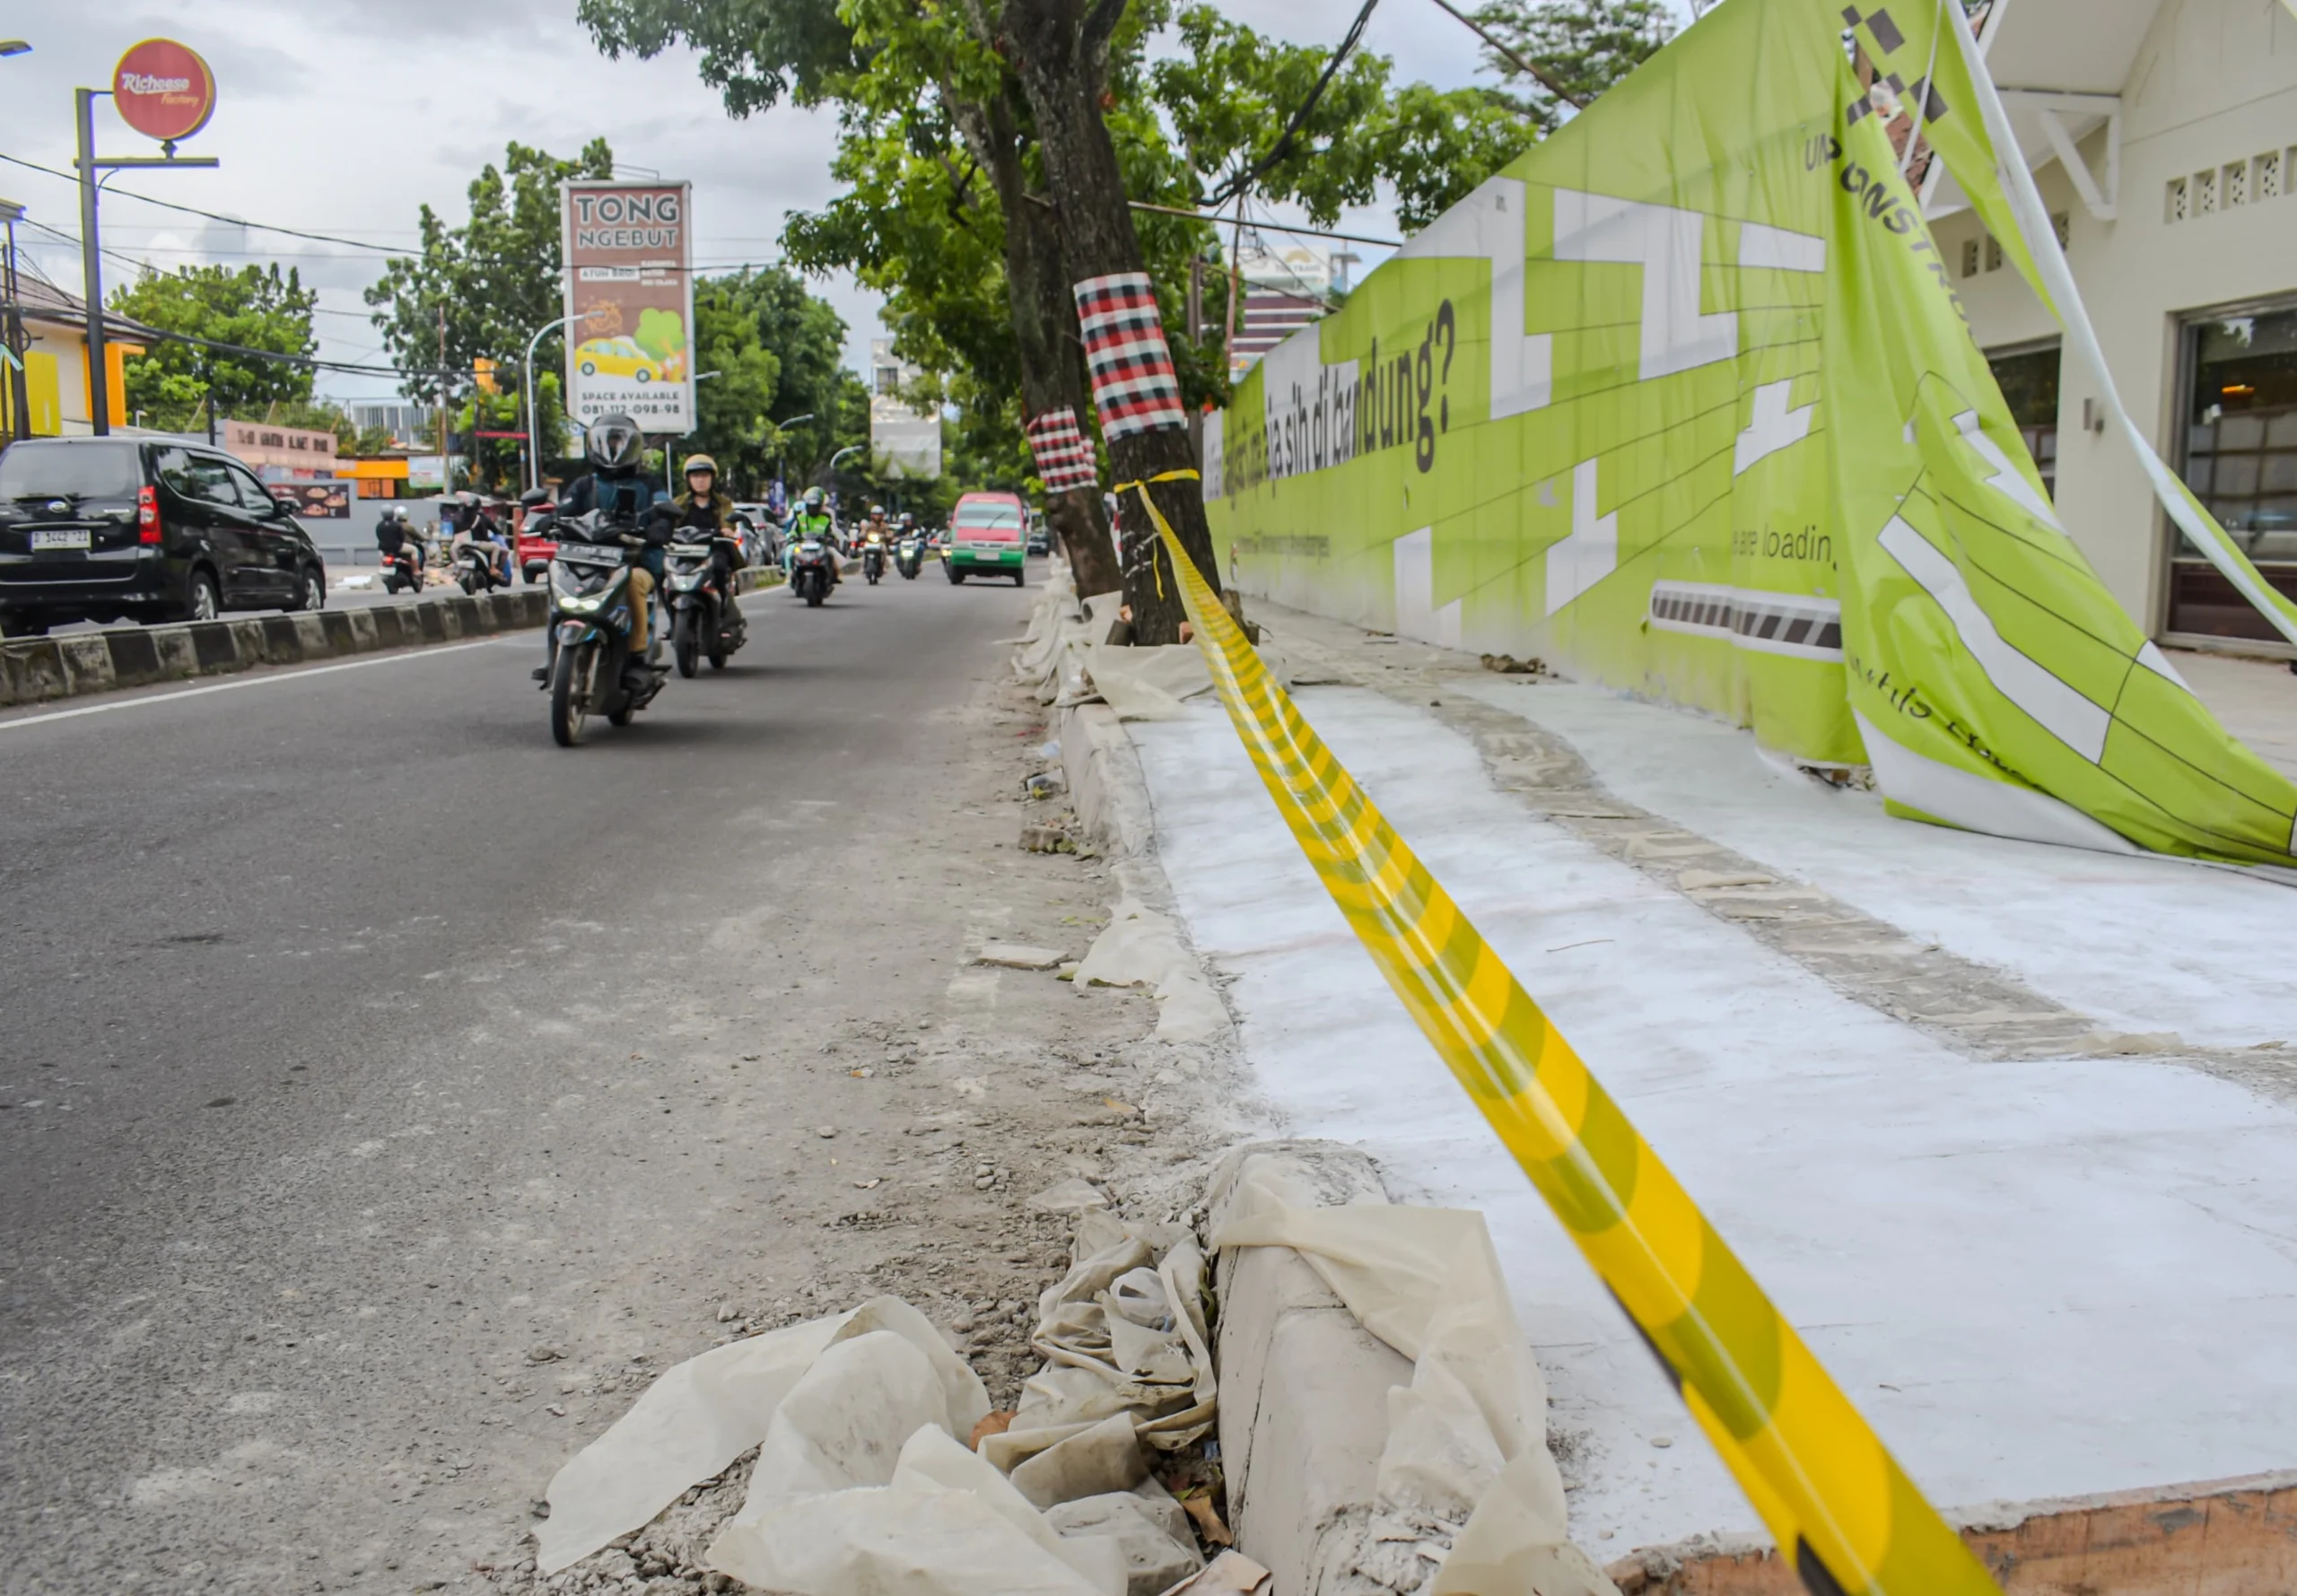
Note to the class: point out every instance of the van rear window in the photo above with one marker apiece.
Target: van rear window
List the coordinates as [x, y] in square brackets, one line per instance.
[58, 468]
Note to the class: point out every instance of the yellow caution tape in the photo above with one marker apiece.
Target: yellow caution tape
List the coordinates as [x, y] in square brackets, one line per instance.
[1834, 1499]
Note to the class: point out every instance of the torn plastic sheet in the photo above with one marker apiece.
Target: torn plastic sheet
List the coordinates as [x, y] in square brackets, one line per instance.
[1142, 947]
[703, 1413]
[1467, 1439]
[860, 1482]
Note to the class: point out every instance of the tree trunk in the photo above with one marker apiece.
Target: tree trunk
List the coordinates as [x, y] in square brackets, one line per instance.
[1045, 319]
[1059, 50]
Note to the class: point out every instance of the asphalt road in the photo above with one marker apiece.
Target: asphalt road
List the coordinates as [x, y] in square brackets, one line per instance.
[309, 978]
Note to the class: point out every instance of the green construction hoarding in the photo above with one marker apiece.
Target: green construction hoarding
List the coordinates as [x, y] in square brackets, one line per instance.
[1685, 402]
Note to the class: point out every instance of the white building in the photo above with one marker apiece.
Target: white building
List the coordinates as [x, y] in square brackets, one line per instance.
[2163, 134]
[903, 442]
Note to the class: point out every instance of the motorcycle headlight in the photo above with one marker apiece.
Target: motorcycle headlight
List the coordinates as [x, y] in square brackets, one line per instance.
[685, 581]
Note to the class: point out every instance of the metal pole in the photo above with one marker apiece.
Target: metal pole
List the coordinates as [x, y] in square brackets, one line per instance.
[534, 412]
[446, 465]
[19, 395]
[92, 269]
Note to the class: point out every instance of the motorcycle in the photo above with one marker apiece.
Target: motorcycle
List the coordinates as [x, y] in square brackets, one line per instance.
[591, 621]
[909, 556]
[873, 557]
[403, 570]
[475, 570]
[704, 619]
[811, 568]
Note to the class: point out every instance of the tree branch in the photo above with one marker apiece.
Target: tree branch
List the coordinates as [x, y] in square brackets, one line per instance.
[1099, 28]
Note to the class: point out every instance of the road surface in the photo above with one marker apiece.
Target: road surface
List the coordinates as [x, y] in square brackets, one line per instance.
[371, 1085]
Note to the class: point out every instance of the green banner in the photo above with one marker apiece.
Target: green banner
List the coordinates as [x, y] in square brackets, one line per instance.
[1685, 402]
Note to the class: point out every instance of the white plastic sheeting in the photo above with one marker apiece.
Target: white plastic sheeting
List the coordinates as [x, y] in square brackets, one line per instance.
[1467, 1439]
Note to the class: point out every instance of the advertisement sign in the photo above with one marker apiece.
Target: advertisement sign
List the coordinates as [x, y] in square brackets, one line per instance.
[316, 500]
[1683, 399]
[164, 90]
[629, 253]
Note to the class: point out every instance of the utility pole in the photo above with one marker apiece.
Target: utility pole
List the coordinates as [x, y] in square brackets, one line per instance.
[446, 460]
[20, 417]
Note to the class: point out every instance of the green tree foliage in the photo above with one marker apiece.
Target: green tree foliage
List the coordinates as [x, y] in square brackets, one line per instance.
[254, 306]
[1585, 46]
[1436, 145]
[781, 351]
[492, 281]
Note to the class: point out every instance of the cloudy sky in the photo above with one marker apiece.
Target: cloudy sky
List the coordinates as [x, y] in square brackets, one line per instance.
[342, 117]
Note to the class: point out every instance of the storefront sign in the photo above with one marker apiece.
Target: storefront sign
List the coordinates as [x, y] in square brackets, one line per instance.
[164, 90]
[315, 500]
[629, 253]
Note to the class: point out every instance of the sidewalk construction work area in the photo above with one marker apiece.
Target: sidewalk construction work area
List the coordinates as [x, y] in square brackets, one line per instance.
[2023, 1190]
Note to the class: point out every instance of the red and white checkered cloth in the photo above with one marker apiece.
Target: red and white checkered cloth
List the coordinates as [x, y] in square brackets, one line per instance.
[1064, 455]
[1134, 384]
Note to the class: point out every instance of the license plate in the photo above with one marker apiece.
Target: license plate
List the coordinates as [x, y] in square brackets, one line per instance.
[71, 538]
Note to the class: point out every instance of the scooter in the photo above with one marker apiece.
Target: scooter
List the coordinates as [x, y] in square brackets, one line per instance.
[403, 570]
[873, 557]
[811, 568]
[592, 617]
[475, 570]
[909, 556]
[704, 619]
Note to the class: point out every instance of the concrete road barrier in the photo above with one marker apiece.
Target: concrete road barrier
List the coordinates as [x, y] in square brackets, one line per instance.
[37, 669]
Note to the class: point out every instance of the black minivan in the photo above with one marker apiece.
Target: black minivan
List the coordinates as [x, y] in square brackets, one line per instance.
[144, 530]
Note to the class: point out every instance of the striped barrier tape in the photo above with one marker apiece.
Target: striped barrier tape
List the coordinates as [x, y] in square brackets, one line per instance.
[1832, 1494]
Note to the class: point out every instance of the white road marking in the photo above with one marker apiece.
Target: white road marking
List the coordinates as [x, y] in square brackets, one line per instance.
[291, 674]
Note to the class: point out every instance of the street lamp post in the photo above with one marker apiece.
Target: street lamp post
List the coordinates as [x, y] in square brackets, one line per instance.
[534, 411]
[782, 468]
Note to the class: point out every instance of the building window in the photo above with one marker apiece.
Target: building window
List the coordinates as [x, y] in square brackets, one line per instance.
[2237, 184]
[2240, 457]
[2061, 222]
[2027, 375]
[1993, 253]
[1969, 257]
[2174, 209]
[2204, 193]
[2268, 175]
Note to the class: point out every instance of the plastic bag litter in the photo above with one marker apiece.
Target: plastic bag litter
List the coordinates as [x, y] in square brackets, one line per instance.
[1467, 1439]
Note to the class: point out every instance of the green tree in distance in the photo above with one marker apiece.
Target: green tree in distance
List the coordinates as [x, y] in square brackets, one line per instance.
[1585, 46]
[492, 281]
[254, 306]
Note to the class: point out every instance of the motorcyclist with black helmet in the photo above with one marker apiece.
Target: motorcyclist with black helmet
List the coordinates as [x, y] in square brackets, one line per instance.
[616, 450]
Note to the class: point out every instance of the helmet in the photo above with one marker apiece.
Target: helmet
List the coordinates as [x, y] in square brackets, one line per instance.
[878, 512]
[908, 520]
[614, 443]
[695, 463]
[813, 498]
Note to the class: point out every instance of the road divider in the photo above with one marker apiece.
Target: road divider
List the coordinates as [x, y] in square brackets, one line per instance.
[40, 669]
[1844, 1515]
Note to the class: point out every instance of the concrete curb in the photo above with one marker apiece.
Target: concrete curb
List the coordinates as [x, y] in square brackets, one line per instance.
[1106, 787]
[1304, 1386]
[39, 669]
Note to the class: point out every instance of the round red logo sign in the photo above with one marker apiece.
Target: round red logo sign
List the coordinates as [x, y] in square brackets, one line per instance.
[164, 90]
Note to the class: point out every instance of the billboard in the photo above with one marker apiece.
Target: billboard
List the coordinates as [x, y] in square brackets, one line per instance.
[629, 254]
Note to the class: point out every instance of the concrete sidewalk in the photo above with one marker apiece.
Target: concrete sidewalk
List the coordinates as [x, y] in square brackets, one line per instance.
[1990, 1120]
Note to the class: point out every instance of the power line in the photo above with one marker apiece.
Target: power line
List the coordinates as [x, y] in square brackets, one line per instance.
[169, 205]
[1237, 183]
[1306, 233]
